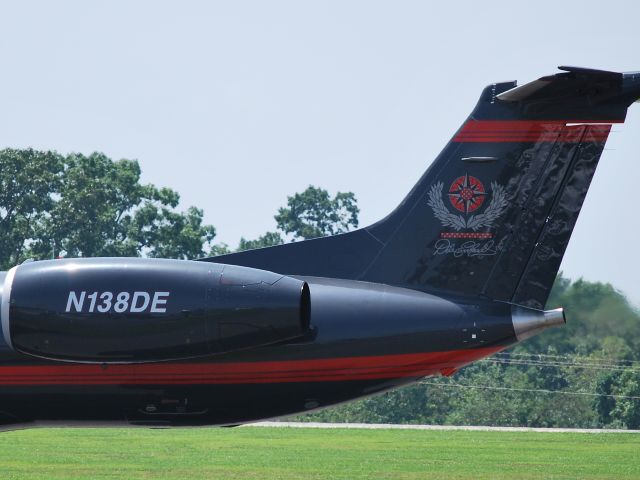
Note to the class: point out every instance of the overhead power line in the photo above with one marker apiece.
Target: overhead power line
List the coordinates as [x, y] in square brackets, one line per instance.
[529, 390]
[538, 363]
[569, 358]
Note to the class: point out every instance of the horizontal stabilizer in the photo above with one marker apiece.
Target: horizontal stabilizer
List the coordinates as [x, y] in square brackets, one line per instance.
[586, 93]
[589, 71]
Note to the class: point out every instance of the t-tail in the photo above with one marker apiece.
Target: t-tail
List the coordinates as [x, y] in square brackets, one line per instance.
[493, 214]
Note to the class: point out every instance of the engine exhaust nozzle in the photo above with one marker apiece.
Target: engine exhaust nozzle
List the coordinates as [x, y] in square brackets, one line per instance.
[528, 322]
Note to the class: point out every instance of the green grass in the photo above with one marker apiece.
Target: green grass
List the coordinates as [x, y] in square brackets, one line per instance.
[295, 453]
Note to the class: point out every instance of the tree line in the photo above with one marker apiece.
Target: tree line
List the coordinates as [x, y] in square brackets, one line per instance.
[586, 374]
[75, 205]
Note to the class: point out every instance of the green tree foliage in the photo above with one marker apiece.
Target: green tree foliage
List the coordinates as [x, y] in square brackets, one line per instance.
[29, 179]
[596, 313]
[269, 239]
[313, 213]
[219, 249]
[618, 403]
[626, 411]
[310, 214]
[85, 206]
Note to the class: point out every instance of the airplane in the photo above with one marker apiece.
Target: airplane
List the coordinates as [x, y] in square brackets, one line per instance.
[460, 270]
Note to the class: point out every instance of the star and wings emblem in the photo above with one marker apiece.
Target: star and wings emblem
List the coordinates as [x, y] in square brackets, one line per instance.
[466, 195]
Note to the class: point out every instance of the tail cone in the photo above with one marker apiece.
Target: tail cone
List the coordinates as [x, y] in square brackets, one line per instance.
[528, 322]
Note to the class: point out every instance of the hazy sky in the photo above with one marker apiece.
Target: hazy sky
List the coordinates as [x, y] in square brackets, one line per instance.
[238, 104]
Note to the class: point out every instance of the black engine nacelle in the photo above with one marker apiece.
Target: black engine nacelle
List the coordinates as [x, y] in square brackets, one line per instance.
[128, 310]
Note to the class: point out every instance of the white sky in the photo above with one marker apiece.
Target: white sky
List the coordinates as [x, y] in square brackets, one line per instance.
[238, 104]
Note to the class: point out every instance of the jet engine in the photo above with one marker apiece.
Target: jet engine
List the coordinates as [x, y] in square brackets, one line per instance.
[131, 310]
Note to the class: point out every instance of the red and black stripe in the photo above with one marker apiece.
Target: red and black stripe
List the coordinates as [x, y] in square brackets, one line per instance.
[288, 371]
[500, 131]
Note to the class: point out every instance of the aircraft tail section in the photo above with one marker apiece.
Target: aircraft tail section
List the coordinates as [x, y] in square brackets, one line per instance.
[493, 214]
[527, 268]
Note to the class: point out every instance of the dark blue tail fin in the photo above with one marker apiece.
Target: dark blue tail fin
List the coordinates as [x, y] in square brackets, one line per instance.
[493, 214]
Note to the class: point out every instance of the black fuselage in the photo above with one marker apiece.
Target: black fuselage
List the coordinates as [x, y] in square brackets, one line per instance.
[357, 345]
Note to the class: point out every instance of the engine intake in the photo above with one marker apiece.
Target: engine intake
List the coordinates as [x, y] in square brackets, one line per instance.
[130, 310]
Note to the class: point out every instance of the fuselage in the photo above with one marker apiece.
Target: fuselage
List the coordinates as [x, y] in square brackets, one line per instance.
[358, 345]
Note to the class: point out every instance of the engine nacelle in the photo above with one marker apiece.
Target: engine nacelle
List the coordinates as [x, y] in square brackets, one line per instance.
[129, 310]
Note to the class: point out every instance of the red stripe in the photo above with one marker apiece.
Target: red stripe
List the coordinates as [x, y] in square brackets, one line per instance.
[316, 370]
[499, 131]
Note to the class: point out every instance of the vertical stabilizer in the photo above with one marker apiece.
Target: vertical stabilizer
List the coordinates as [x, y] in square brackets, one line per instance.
[494, 212]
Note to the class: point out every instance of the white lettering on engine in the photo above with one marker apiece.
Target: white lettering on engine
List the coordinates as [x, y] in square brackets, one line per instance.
[121, 302]
[139, 302]
[77, 302]
[158, 300]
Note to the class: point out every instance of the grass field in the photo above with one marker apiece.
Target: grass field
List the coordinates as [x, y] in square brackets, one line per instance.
[301, 453]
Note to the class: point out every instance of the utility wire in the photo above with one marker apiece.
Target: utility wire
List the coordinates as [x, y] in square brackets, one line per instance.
[537, 363]
[571, 358]
[529, 390]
